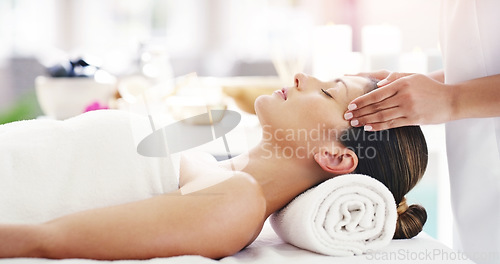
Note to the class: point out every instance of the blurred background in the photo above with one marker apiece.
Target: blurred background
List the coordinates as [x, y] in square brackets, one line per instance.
[167, 39]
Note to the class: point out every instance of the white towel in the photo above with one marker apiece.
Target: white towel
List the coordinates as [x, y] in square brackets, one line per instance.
[343, 216]
[49, 168]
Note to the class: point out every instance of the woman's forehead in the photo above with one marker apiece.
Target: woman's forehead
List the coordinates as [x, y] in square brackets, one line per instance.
[358, 82]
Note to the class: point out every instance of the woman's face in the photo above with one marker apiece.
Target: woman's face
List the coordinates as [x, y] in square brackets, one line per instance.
[311, 103]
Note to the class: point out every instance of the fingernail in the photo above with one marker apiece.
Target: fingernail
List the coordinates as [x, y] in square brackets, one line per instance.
[354, 122]
[348, 116]
[352, 106]
[382, 82]
[368, 128]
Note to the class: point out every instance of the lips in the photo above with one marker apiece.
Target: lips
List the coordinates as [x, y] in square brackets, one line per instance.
[284, 91]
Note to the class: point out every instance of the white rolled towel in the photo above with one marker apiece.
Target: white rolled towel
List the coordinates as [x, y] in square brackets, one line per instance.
[344, 216]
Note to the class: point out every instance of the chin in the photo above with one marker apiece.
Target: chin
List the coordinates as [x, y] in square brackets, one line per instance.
[262, 107]
[259, 104]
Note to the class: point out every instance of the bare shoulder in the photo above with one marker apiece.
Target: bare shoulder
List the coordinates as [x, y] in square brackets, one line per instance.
[237, 213]
[236, 201]
[253, 200]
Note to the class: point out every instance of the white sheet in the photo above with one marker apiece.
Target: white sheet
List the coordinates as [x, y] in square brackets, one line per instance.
[269, 248]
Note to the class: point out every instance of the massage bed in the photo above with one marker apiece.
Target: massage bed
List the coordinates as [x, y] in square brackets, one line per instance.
[33, 192]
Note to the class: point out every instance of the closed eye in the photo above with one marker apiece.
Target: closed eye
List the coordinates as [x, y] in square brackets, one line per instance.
[327, 93]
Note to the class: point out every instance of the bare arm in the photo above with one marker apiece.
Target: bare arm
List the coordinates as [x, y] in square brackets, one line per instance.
[214, 222]
[410, 99]
[477, 98]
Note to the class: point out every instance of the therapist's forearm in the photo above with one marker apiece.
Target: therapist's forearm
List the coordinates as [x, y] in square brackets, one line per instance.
[477, 98]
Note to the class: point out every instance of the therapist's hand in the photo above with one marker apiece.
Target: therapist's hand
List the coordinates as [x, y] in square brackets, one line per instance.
[402, 99]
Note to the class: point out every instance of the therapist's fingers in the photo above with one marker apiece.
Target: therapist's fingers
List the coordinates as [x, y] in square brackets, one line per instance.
[374, 97]
[393, 76]
[376, 112]
[417, 98]
[383, 92]
[380, 116]
[393, 123]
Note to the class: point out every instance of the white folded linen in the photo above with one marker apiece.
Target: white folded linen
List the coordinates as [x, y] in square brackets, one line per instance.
[344, 216]
[49, 168]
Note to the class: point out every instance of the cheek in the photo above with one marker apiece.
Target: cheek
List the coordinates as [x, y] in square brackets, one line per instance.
[337, 117]
[312, 114]
[340, 124]
[332, 117]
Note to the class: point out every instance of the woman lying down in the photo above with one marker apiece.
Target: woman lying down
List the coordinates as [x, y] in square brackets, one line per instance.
[250, 187]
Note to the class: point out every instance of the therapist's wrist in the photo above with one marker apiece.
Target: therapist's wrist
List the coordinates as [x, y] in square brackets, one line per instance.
[437, 76]
[455, 105]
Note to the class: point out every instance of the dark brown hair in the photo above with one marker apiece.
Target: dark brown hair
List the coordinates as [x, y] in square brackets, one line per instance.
[396, 157]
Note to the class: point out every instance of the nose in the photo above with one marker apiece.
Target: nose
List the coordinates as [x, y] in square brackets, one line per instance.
[300, 81]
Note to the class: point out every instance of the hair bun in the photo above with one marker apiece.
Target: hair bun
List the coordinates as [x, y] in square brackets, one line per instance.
[410, 221]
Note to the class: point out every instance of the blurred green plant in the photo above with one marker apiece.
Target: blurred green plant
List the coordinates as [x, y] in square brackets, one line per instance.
[26, 107]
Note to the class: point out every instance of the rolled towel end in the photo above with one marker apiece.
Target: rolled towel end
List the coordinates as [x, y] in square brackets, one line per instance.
[344, 216]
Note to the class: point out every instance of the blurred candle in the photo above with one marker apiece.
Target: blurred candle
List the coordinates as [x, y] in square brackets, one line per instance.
[332, 48]
[381, 44]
